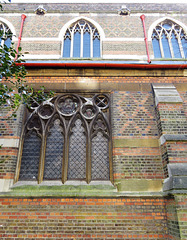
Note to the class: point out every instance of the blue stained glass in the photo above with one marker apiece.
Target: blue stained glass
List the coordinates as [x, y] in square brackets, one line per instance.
[175, 45]
[96, 47]
[8, 42]
[76, 44]
[156, 48]
[167, 26]
[184, 45]
[165, 44]
[0, 41]
[86, 44]
[67, 46]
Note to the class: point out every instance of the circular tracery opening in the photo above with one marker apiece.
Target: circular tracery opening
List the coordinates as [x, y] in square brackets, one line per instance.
[102, 101]
[68, 105]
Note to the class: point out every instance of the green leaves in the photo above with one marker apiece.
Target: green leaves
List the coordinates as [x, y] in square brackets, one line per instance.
[14, 90]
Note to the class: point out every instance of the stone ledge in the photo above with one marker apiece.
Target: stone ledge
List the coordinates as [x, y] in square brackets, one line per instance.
[166, 93]
[136, 142]
[177, 177]
[139, 185]
[173, 137]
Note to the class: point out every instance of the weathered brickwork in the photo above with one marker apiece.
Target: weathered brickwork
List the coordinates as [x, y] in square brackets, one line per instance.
[95, 7]
[116, 79]
[173, 119]
[10, 126]
[74, 218]
[165, 159]
[137, 163]
[181, 200]
[172, 219]
[133, 115]
[177, 152]
[8, 160]
[125, 48]
[39, 48]
[184, 98]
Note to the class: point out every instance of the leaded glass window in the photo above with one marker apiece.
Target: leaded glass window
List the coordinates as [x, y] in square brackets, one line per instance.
[82, 39]
[67, 138]
[5, 35]
[169, 40]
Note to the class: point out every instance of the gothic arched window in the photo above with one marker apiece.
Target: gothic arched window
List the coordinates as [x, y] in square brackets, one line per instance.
[169, 40]
[82, 40]
[67, 138]
[5, 35]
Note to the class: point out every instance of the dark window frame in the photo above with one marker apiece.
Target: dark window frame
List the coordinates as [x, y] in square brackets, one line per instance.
[91, 111]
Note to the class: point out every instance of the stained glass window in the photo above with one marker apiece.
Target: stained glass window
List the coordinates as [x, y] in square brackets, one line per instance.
[67, 138]
[169, 40]
[82, 39]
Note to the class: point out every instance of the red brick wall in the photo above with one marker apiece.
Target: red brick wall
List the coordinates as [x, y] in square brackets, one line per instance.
[79, 218]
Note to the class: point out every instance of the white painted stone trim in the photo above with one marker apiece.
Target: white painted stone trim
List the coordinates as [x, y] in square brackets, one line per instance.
[129, 57]
[32, 56]
[123, 40]
[153, 25]
[10, 25]
[12, 143]
[138, 57]
[5, 185]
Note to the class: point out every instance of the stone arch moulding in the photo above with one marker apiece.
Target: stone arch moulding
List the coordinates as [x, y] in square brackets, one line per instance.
[74, 20]
[11, 27]
[153, 25]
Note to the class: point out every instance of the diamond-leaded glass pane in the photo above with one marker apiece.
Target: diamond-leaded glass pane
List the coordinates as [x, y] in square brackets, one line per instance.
[30, 157]
[100, 157]
[54, 152]
[77, 152]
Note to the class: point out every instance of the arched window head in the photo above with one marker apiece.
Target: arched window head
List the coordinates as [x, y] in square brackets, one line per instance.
[82, 40]
[5, 35]
[169, 40]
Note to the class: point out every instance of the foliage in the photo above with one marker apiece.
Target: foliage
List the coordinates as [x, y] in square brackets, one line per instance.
[13, 88]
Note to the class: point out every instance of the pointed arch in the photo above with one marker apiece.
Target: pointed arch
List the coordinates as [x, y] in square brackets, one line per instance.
[77, 152]
[82, 37]
[7, 26]
[169, 38]
[31, 142]
[100, 138]
[54, 152]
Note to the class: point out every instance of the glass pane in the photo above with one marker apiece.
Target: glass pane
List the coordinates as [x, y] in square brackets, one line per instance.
[156, 48]
[76, 44]
[184, 45]
[66, 48]
[8, 42]
[175, 45]
[77, 152]
[86, 44]
[100, 158]
[165, 44]
[54, 152]
[30, 157]
[96, 47]
[167, 26]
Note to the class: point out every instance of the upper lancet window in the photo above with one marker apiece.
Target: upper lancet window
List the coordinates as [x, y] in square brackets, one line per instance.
[5, 35]
[82, 40]
[67, 138]
[169, 40]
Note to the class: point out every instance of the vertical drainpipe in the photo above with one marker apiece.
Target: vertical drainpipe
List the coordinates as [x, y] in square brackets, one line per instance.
[23, 16]
[146, 43]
